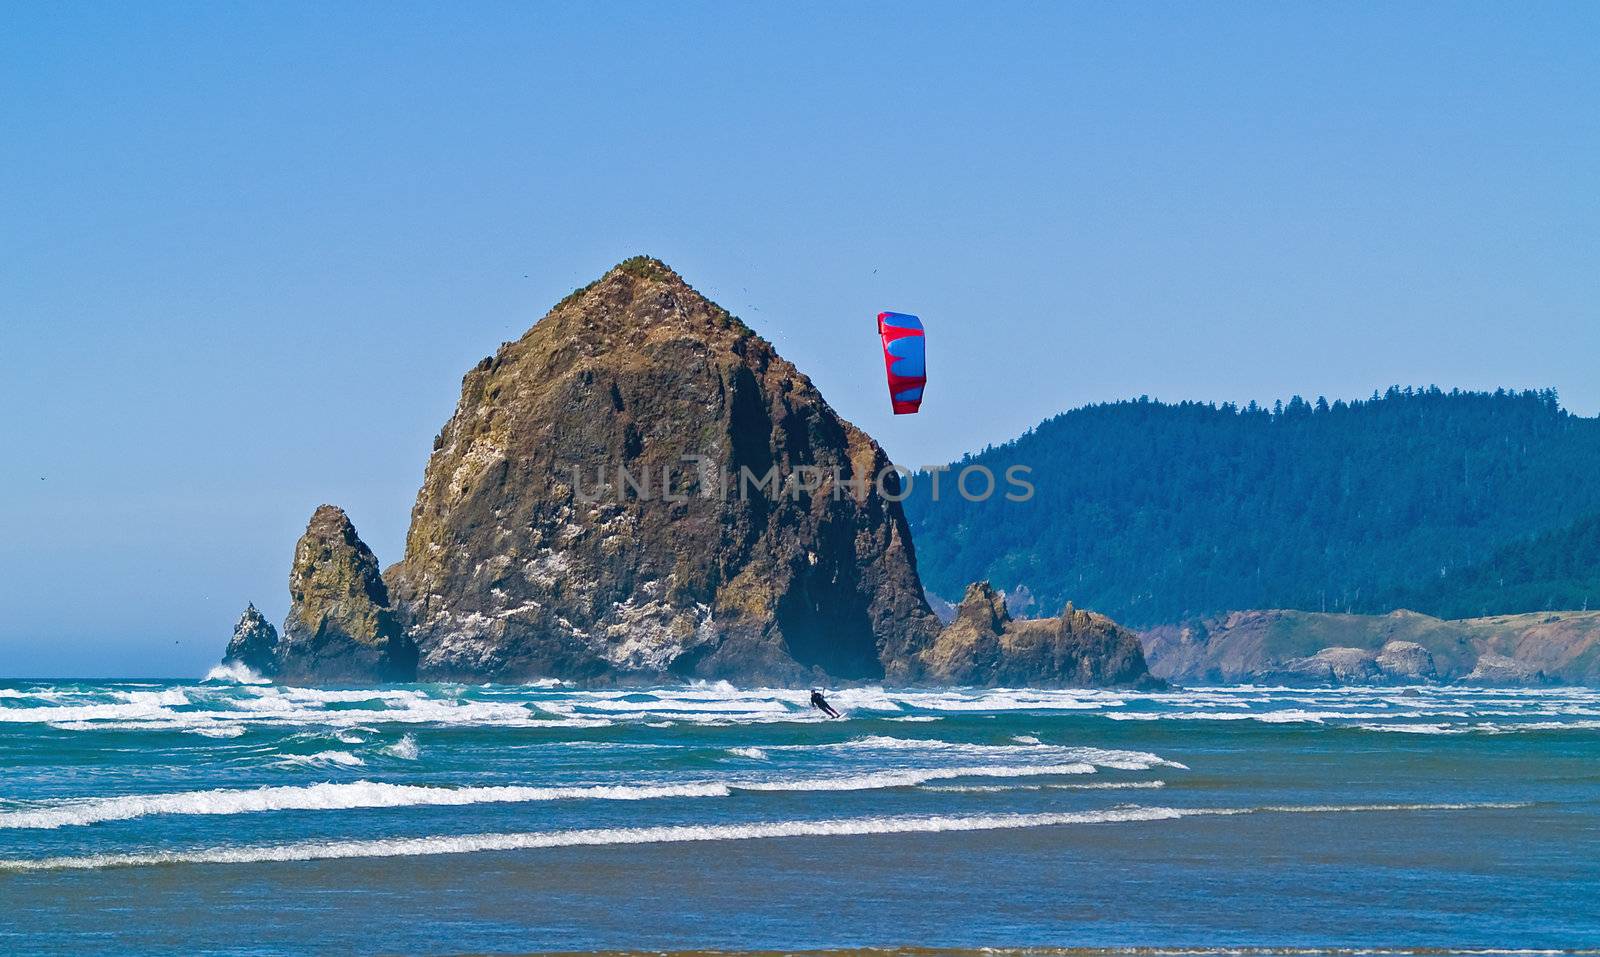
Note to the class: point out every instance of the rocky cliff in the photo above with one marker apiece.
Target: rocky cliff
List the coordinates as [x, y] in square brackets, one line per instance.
[340, 626]
[984, 645]
[591, 509]
[1403, 647]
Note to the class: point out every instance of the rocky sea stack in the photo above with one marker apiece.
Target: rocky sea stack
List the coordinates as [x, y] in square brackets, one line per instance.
[340, 625]
[511, 573]
[641, 488]
[984, 645]
[254, 644]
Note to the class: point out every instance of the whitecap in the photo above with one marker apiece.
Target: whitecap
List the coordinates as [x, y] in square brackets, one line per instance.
[233, 672]
[405, 749]
[909, 777]
[321, 759]
[324, 797]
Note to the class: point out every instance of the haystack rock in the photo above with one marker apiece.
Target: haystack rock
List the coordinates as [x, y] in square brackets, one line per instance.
[531, 554]
[984, 645]
[340, 626]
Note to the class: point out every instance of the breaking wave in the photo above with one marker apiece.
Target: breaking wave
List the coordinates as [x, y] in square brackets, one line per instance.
[840, 827]
[329, 796]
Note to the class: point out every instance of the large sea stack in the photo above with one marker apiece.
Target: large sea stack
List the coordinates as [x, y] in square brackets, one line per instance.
[641, 488]
[520, 564]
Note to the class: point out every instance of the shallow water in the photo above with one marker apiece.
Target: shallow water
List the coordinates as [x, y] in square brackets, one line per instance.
[230, 818]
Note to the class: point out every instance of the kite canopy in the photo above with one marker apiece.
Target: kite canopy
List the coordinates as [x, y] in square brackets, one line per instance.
[904, 359]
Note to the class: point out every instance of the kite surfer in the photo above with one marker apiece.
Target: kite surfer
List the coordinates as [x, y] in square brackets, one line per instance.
[821, 703]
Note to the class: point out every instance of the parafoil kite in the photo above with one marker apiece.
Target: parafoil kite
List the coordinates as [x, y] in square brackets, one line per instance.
[904, 359]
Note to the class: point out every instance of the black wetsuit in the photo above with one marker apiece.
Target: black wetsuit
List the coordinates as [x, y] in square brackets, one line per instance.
[821, 704]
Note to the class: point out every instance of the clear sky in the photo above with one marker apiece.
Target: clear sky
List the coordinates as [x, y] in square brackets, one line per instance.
[248, 250]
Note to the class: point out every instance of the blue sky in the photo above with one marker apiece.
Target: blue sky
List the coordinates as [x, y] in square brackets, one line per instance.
[248, 250]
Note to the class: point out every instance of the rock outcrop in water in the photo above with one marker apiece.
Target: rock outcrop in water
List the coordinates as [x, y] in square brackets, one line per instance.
[340, 625]
[984, 645]
[254, 644]
[529, 554]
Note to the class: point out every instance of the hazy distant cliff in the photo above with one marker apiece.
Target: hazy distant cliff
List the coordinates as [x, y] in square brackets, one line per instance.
[1278, 646]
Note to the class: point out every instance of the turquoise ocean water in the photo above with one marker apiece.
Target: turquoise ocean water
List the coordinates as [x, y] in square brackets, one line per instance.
[227, 817]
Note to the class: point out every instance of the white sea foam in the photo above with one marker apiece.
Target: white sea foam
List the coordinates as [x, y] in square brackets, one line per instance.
[235, 673]
[529, 840]
[1414, 728]
[911, 777]
[325, 797]
[1090, 786]
[1102, 757]
[406, 749]
[753, 753]
[322, 759]
[372, 794]
[216, 731]
[222, 702]
[1111, 786]
[981, 788]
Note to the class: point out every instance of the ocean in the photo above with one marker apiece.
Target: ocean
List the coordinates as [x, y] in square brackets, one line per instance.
[236, 818]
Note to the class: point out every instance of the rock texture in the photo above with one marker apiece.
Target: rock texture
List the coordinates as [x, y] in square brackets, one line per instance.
[254, 644]
[1493, 669]
[340, 626]
[1402, 647]
[519, 564]
[1334, 665]
[984, 645]
[1406, 661]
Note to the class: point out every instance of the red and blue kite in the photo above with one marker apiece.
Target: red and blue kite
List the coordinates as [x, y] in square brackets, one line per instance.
[904, 359]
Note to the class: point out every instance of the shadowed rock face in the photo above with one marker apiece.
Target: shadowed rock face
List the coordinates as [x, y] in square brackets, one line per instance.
[340, 626]
[984, 645]
[254, 644]
[511, 572]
